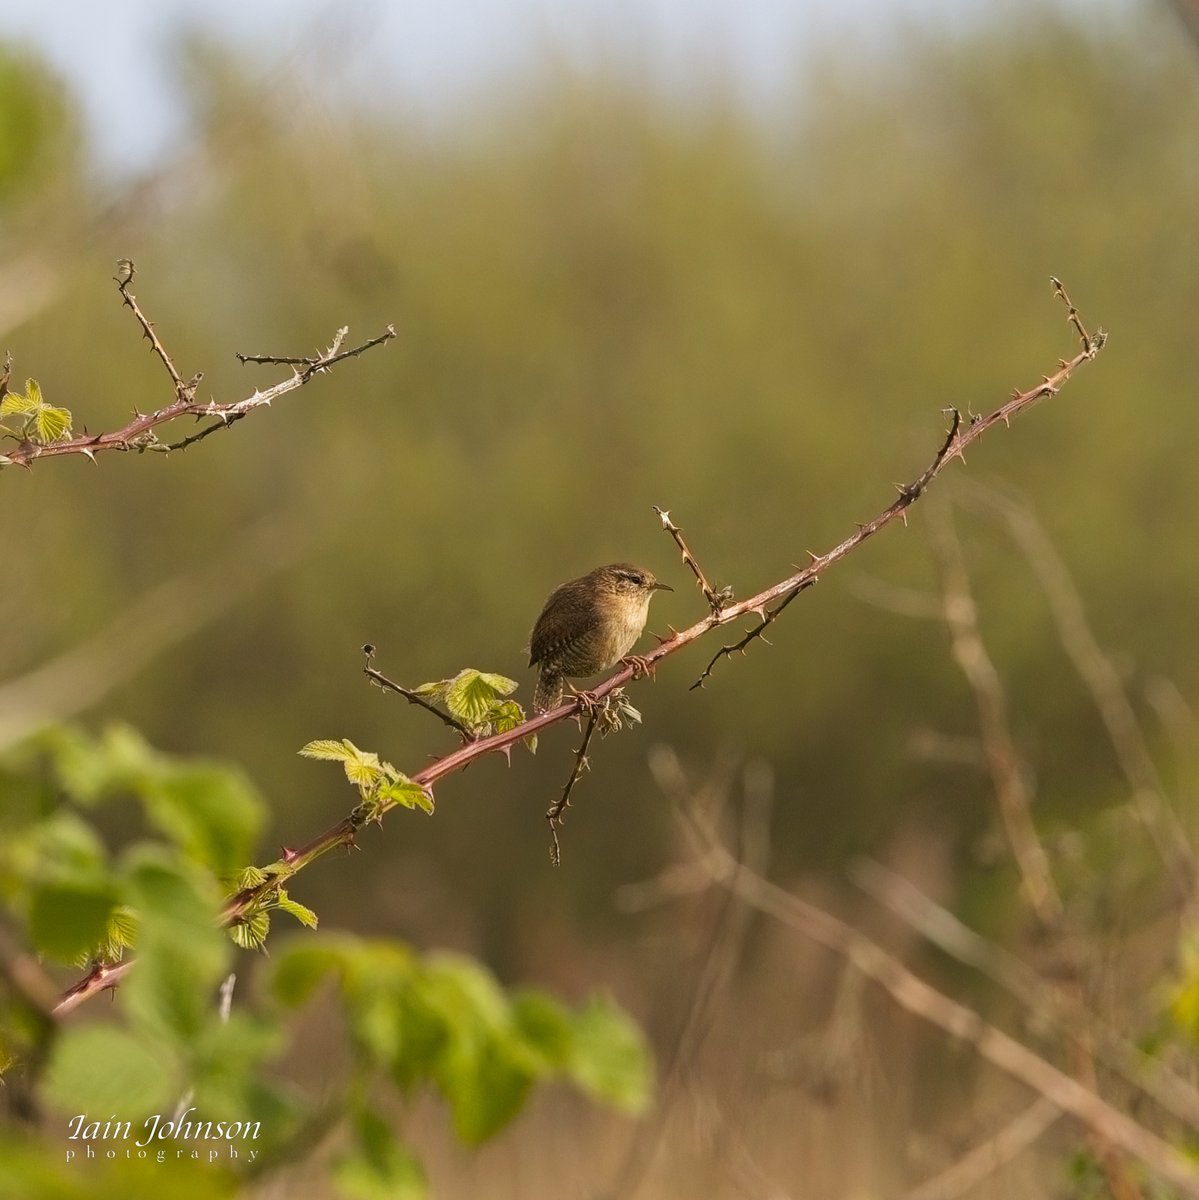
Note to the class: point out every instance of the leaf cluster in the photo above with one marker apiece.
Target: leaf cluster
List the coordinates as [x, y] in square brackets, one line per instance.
[37, 421]
[479, 700]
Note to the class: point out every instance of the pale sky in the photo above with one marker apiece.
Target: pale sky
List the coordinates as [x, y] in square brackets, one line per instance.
[116, 57]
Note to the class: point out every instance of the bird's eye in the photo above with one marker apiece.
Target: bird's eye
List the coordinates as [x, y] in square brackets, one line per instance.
[633, 577]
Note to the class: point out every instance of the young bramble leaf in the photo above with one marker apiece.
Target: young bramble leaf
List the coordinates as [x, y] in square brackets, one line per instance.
[436, 689]
[251, 933]
[362, 768]
[471, 694]
[33, 393]
[50, 423]
[404, 791]
[294, 908]
[328, 748]
[16, 404]
[249, 877]
[505, 715]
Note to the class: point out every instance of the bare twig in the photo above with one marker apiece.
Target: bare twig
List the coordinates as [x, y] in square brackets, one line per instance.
[1015, 801]
[758, 631]
[138, 434]
[983, 1160]
[717, 963]
[1003, 760]
[921, 999]
[716, 600]
[101, 977]
[554, 814]
[1102, 679]
[1047, 1005]
[380, 680]
[184, 392]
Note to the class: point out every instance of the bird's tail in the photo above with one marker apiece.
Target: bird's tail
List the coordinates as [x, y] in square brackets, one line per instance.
[548, 693]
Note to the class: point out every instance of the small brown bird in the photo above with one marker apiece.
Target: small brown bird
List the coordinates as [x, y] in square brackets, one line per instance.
[588, 625]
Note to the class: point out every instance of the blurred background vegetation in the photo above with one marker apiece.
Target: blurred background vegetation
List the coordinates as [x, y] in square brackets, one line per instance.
[608, 296]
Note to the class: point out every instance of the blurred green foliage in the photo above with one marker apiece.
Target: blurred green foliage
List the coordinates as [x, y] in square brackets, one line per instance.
[422, 1021]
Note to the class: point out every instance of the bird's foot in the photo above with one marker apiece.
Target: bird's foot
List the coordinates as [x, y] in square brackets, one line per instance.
[589, 703]
[642, 667]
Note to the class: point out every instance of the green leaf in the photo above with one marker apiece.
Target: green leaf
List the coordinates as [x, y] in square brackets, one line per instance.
[249, 877]
[546, 1025]
[50, 423]
[328, 748]
[611, 1060]
[436, 689]
[100, 1069]
[212, 812]
[472, 694]
[119, 935]
[362, 767]
[250, 933]
[90, 768]
[374, 986]
[407, 793]
[225, 1063]
[182, 954]
[63, 848]
[482, 1065]
[303, 965]
[67, 921]
[379, 1167]
[294, 908]
[15, 403]
[33, 393]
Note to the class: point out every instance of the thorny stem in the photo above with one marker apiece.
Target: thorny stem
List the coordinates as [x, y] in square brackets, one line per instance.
[716, 600]
[380, 680]
[554, 814]
[138, 433]
[956, 441]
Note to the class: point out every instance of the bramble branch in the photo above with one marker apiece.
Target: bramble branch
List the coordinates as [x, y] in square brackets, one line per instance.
[766, 605]
[554, 814]
[138, 434]
[380, 680]
[716, 600]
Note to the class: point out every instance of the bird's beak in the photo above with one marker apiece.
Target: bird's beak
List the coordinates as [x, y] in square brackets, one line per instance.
[663, 587]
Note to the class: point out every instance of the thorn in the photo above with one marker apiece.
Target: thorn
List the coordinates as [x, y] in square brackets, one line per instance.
[506, 751]
[903, 516]
[288, 854]
[815, 558]
[89, 453]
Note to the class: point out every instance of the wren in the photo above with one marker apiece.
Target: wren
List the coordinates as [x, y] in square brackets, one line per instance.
[588, 625]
